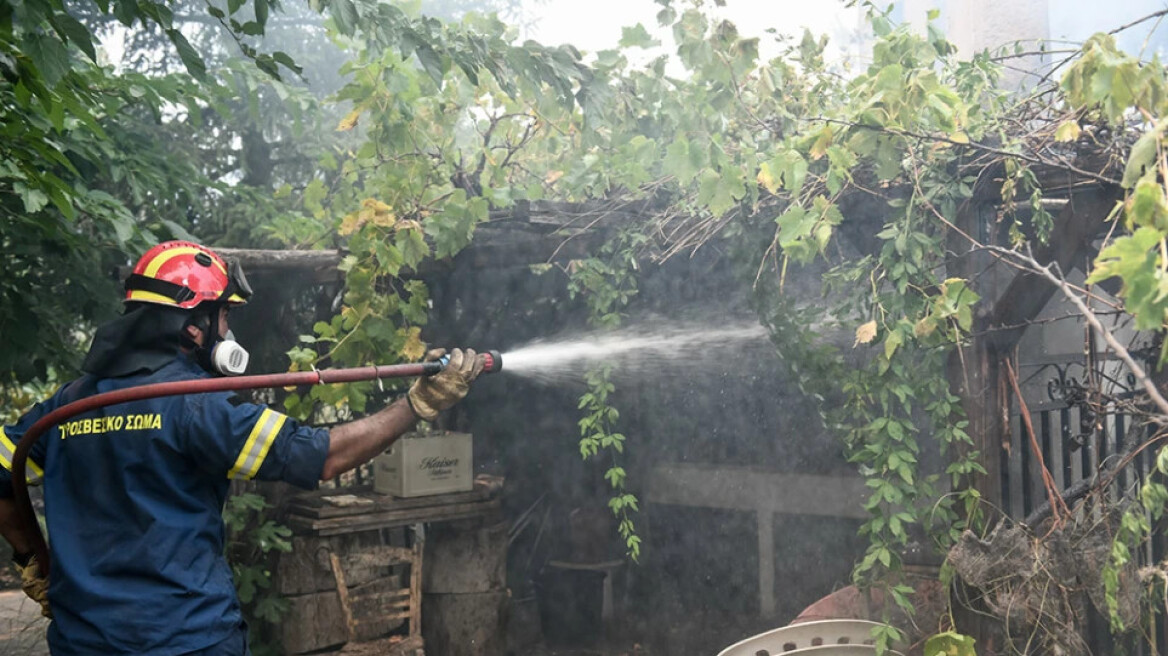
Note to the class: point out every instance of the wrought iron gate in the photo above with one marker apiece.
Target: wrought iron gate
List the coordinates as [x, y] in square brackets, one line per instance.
[1076, 436]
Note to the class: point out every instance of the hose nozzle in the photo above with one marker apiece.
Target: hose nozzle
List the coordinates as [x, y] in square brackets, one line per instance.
[494, 362]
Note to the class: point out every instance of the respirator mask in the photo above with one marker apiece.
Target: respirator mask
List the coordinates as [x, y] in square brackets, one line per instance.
[223, 356]
[220, 355]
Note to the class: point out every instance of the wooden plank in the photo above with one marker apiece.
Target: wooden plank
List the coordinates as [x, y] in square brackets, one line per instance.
[399, 614]
[315, 504]
[372, 521]
[320, 508]
[392, 596]
[368, 607]
[416, 583]
[343, 593]
[375, 610]
[392, 646]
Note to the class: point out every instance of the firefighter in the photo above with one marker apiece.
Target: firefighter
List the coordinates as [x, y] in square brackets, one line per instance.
[134, 492]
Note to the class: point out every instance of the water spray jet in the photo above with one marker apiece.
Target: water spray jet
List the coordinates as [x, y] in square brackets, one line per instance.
[655, 347]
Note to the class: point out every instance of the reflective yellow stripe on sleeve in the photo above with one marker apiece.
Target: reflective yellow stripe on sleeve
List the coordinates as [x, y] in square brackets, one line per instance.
[32, 472]
[259, 442]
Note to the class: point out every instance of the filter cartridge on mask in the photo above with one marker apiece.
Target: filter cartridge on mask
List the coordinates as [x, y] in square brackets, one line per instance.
[228, 357]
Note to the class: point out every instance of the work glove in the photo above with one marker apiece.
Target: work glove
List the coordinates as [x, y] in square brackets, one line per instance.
[430, 395]
[35, 585]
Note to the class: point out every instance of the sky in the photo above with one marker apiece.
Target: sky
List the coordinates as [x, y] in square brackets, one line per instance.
[596, 24]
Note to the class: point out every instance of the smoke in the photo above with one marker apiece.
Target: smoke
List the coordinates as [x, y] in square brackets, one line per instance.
[1076, 20]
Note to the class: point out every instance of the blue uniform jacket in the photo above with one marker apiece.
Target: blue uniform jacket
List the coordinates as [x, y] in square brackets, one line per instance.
[134, 496]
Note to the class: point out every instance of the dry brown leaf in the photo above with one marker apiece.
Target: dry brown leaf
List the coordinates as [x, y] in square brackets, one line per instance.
[865, 333]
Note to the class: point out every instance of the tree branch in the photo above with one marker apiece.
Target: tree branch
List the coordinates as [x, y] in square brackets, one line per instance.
[1098, 177]
[1092, 320]
[1028, 293]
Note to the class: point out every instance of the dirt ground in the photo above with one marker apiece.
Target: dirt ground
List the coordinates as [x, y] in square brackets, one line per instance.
[22, 629]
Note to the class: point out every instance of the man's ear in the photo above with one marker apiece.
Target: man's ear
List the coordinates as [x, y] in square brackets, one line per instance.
[193, 333]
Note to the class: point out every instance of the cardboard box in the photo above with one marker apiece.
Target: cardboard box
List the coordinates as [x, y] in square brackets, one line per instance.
[422, 464]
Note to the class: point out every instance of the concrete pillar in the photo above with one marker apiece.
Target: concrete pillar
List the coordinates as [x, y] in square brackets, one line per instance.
[766, 562]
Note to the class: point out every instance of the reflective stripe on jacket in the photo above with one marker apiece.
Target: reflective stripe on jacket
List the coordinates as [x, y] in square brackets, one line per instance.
[133, 501]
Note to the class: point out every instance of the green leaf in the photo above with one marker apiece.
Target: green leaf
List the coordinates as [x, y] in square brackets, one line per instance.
[794, 224]
[678, 162]
[126, 11]
[413, 247]
[177, 231]
[34, 199]
[432, 62]
[251, 28]
[1067, 131]
[344, 12]
[1142, 159]
[637, 37]
[950, 643]
[261, 13]
[794, 171]
[49, 56]
[720, 192]
[1147, 206]
[75, 32]
[1134, 259]
[189, 56]
[286, 60]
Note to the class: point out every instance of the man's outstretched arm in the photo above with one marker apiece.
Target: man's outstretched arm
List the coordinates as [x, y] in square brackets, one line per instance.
[358, 442]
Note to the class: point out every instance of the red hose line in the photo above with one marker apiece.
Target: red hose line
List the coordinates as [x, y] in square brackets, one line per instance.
[27, 517]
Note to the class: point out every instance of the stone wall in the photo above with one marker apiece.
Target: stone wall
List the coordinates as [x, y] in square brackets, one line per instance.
[697, 588]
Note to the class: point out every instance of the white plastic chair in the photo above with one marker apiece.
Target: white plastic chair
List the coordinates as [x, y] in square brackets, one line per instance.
[822, 638]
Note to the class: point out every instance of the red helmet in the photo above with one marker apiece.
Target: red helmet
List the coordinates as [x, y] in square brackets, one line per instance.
[183, 274]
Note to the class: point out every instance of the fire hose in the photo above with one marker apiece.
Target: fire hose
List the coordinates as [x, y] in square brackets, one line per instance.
[25, 514]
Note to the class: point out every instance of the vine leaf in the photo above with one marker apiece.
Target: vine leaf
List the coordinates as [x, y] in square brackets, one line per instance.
[950, 643]
[413, 349]
[1068, 131]
[350, 120]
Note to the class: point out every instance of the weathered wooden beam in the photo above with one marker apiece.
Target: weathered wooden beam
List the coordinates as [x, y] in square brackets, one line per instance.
[972, 369]
[283, 260]
[1077, 224]
[317, 504]
[753, 489]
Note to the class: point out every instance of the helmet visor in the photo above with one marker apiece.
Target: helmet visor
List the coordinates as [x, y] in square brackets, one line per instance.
[238, 290]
